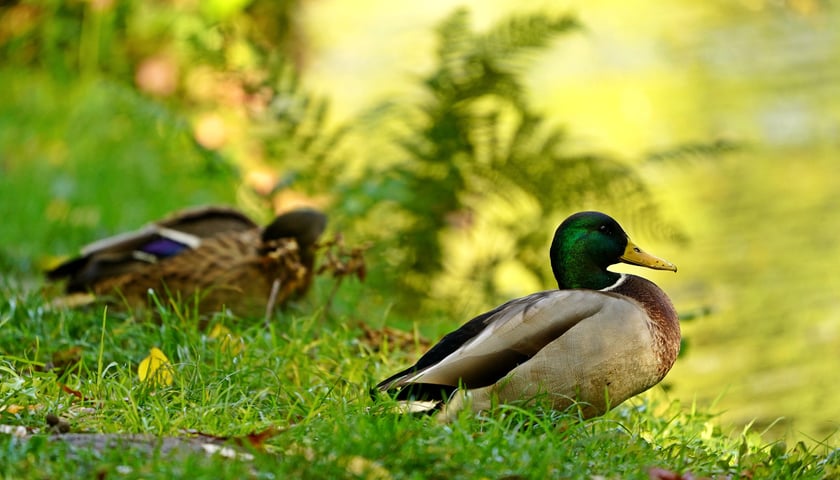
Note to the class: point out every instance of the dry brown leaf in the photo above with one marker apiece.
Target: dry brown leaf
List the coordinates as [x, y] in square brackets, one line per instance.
[657, 473]
[257, 439]
[343, 261]
[70, 391]
[63, 359]
[395, 338]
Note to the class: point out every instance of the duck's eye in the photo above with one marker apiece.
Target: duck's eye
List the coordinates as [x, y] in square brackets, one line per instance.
[604, 229]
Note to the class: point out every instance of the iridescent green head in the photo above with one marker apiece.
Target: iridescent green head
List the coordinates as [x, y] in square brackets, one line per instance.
[586, 243]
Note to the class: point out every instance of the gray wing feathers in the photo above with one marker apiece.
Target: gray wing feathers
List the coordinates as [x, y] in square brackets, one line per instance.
[516, 333]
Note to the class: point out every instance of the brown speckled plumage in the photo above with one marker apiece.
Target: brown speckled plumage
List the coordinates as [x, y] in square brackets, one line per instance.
[225, 261]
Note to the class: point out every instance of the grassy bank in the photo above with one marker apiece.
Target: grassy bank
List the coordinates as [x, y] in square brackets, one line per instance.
[293, 399]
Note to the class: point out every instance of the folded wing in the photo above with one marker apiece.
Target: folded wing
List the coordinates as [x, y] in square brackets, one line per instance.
[127, 252]
[488, 347]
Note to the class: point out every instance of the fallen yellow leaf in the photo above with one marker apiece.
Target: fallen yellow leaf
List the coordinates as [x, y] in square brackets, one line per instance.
[155, 368]
[362, 467]
[14, 409]
[228, 342]
[218, 331]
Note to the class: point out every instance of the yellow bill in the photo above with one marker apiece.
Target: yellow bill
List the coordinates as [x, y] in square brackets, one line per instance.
[636, 256]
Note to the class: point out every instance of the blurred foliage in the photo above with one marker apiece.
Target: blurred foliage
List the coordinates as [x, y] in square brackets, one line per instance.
[80, 160]
[114, 36]
[473, 144]
[694, 151]
[127, 110]
[140, 108]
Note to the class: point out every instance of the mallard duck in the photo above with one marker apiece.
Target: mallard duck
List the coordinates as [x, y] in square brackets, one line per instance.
[215, 254]
[599, 339]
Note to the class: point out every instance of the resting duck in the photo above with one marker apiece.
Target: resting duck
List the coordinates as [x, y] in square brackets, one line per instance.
[215, 253]
[598, 340]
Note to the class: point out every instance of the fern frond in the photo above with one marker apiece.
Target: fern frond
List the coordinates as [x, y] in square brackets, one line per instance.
[516, 35]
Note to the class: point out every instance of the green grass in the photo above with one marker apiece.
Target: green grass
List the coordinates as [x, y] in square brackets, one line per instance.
[85, 159]
[308, 376]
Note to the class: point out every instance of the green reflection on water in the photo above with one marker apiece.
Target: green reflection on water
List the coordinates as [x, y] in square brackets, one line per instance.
[764, 256]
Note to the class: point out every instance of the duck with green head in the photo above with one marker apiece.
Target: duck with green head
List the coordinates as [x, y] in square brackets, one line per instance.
[599, 339]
